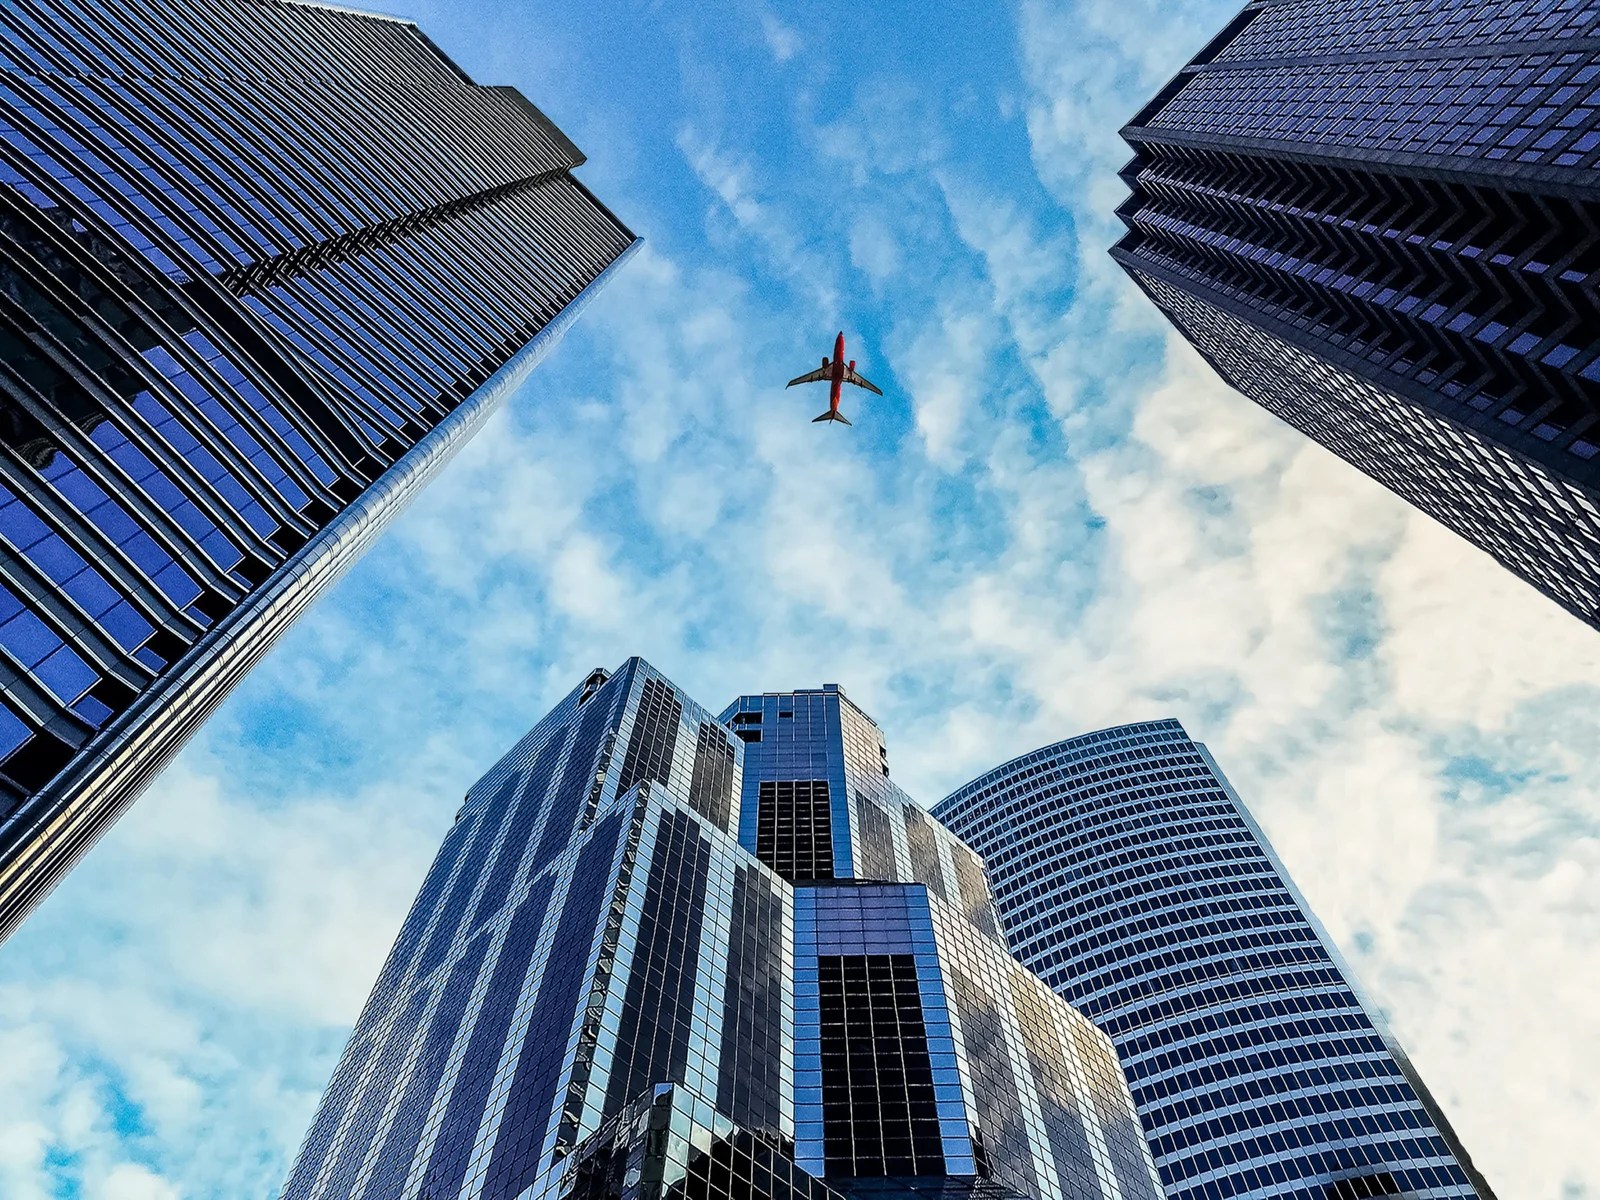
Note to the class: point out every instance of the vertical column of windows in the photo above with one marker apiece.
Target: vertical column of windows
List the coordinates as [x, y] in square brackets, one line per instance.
[711, 784]
[749, 1086]
[519, 826]
[974, 889]
[442, 937]
[1058, 1092]
[654, 737]
[652, 1040]
[875, 852]
[341, 1091]
[587, 761]
[361, 1125]
[393, 1161]
[1000, 1134]
[924, 849]
[420, 917]
[456, 1131]
[532, 1098]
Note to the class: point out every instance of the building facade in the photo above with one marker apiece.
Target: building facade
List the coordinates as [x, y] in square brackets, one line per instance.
[1381, 222]
[1131, 878]
[617, 981]
[243, 320]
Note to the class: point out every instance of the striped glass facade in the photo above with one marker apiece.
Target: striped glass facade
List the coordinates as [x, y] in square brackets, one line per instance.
[266, 265]
[1380, 220]
[1131, 878]
[597, 956]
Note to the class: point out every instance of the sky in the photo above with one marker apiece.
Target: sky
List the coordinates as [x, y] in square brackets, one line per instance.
[1057, 519]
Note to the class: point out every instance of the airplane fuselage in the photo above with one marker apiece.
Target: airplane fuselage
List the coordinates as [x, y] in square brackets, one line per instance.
[836, 379]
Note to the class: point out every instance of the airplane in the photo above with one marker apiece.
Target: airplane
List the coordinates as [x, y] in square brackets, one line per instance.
[836, 373]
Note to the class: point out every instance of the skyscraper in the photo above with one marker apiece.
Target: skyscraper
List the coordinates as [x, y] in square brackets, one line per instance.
[266, 265]
[1132, 879]
[657, 959]
[1381, 222]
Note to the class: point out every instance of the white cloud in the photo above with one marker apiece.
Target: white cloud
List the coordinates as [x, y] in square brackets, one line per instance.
[785, 248]
[129, 1181]
[783, 41]
[946, 372]
[1452, 654]
[873, 248]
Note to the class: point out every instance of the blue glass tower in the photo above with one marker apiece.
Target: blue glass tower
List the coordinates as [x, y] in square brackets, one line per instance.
[1129, 875]
[643, 965]
[264, 265]
[1380, 220]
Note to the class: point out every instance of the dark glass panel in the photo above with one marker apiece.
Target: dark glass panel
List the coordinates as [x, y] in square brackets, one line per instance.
[711, 788]
[654, 737]
[794, 828]
[749, 1085]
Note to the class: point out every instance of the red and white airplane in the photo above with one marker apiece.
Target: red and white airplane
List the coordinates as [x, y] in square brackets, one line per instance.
[837, 373]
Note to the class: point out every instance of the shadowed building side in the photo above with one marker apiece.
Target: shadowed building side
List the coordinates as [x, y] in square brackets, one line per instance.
[1381, 222]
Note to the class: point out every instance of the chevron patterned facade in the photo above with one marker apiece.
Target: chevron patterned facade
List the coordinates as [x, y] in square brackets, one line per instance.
[265, 265]
[1380, 220]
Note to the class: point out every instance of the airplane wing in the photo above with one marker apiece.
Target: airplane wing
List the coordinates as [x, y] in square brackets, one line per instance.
[850, 376]
[822, 373]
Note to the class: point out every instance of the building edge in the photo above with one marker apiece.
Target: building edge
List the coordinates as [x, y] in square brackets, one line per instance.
[52, 829]
[1375, 1012]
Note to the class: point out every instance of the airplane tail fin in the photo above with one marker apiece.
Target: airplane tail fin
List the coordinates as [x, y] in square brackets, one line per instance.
[832, 414]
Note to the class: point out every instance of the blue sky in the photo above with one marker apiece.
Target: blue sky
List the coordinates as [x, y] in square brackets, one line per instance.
[1056, 520]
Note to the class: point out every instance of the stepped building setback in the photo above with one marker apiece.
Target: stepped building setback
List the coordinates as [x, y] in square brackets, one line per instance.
[266, 265]
[665, 954]
[1380, 220]
[1131, 878]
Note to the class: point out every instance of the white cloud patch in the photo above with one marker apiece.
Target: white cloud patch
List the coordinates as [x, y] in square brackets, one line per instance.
[945, 369]
[129, 1181]
[783, 41]
[874, 250]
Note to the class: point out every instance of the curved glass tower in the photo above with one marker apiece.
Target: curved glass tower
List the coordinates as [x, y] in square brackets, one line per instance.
[264, 265]
[1130, 877]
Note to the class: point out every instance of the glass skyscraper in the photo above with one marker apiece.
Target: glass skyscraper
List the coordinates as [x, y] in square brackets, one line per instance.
[662, 954]
[1132, 879]
[266, 265]
[1380, 220]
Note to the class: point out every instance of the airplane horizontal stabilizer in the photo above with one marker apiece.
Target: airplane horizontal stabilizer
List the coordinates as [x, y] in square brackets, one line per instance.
[831, 415]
